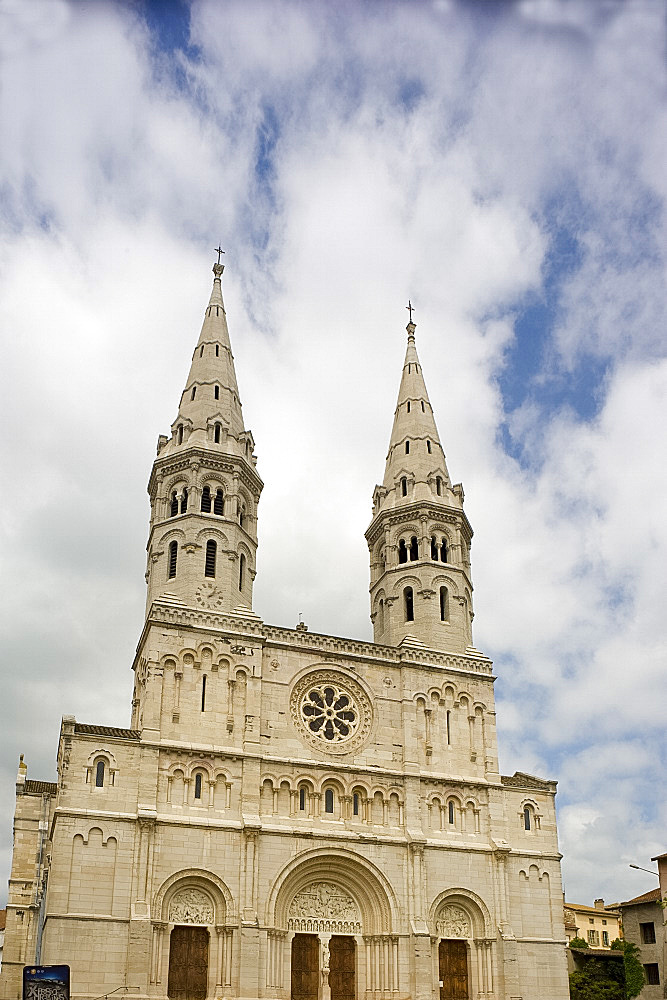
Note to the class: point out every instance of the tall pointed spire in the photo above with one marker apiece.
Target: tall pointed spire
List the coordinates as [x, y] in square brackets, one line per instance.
[204, 487]
[419, 538]
[414, 448]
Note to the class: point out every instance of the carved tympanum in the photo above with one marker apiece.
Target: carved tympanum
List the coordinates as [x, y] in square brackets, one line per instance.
[191, 906]
[324, 907]
[453, 922]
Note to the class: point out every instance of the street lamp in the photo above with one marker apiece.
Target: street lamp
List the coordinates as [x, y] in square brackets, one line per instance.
[640, 869]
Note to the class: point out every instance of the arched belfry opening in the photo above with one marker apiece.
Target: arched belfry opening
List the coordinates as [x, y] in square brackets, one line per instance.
[335, 916]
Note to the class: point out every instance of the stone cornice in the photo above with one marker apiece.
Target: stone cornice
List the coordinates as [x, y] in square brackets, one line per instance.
[219, 462]
[253, 629]
[399, 515]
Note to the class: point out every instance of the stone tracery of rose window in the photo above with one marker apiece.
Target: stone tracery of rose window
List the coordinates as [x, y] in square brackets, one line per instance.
[329, 713]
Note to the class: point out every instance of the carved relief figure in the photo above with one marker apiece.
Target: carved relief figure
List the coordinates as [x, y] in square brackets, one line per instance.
[453, 922]
[191, 906]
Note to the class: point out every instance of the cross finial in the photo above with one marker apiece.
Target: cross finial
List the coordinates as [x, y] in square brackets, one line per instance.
[219, 251]
[409, 307]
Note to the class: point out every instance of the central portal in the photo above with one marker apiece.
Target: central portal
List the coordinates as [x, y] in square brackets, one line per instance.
[342, 980]
[453, 964]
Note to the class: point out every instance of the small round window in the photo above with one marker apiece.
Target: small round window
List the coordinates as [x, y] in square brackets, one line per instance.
[329, 713]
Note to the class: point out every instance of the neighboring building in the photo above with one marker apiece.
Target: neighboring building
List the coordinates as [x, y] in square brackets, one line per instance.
[598, 925]
[643, 924]
[292, 814]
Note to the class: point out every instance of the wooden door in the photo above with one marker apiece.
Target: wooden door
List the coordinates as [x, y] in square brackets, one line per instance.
[188, 963]
[453, 964]
[305, 966]
[342, 974]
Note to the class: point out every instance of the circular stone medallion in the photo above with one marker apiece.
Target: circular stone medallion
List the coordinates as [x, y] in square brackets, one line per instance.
[331, 711]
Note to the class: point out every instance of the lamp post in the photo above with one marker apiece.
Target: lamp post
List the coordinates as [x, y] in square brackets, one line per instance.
[640, 869]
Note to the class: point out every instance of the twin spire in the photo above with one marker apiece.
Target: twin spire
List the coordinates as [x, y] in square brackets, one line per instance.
[414, 448]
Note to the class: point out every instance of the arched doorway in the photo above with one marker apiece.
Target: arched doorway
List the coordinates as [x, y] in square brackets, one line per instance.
[336, 911]
[463, 953]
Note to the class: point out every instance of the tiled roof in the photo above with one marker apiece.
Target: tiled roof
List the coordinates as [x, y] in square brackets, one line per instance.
[521, 780]
[41, 787]
[118, 734]
[593, 909]
[648, 897]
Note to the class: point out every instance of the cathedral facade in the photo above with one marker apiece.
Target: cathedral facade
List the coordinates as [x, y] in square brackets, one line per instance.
[289, 814]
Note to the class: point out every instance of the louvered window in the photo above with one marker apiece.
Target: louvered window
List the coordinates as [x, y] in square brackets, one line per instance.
[408, 600]
[211, 551]
[219, 503]
[173, 556]
[206, 500]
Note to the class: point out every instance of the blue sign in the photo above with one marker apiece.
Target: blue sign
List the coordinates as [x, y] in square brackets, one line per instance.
[46, 982]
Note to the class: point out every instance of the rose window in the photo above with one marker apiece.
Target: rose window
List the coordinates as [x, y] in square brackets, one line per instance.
[329, 713]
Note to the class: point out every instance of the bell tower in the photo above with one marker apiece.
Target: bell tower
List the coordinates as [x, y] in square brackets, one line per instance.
[204, 488]
[419, 538]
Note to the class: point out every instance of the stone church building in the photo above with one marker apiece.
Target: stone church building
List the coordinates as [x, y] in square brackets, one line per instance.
[292, 815]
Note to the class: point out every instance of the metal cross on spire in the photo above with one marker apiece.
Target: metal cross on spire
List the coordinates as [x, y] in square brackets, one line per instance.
[218, 250]
[409, 307]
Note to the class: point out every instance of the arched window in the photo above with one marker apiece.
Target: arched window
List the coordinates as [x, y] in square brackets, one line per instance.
[99, 774]
[203, 693]
[408, 406]
[526, 818]
[355, 797]
[173, 556]
[179, 433]
[241, 571]
[407, 447]
[434, 548]
[206, 500]
[329, 800]
[217, 350]
[443, 550]
[408, 600]
[216, 433]
[216, 391]
[414, 549]
[201, 351]
[184, 500]
[428, 447]
[380, 618]
[174, 504]
[302, 799]
[219, 503]
[404, 487]
[444, 605]
[438, 485]
[194, 392]
[451, 817]
[198, 785]
[402, 551]
[211, 552]
[423, 408]
[449, 727]
[241, 515]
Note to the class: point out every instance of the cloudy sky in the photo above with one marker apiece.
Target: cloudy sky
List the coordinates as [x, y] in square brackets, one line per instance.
[500, 164]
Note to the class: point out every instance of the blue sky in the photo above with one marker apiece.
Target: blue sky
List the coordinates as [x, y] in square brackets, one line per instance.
[501, 165]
